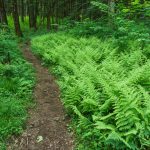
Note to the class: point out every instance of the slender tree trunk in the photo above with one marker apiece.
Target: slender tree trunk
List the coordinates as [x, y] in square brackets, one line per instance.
[49, 10]
[16, 19]
[56, 11]
[32, 13]
[36, 14]
[48, 21]
[22, 10]
[40, 12]
[3, 17]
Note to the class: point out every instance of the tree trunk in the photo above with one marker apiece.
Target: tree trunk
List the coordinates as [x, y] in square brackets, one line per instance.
[16, 18]
[36, 13]
[33, 8]
[3, 17]
[31, 13]
[22, 10]
[48, 21]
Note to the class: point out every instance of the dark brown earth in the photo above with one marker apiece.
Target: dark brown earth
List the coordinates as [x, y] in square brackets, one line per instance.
[46, 126]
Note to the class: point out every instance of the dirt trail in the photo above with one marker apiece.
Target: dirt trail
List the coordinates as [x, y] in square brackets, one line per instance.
[47, 126]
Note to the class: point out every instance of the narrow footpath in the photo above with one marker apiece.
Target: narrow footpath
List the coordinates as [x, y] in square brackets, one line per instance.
[46, 126]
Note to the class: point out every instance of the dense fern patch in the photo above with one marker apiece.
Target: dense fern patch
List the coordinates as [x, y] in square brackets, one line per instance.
[16, 82]
[104, 88]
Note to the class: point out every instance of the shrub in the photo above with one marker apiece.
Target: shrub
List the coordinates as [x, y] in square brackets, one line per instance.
[16, 83]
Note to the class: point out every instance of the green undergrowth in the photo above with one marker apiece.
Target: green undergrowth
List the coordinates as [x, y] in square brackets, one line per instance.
[26, 30]
[16, 84]
[104, 88]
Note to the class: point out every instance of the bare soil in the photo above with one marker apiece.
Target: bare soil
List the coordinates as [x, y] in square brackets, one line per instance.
[46, 127]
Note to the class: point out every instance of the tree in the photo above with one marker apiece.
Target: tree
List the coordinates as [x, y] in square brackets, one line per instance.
[16, 18]
[3, 17]
[33, 10]
[22, 10]
[49, 16]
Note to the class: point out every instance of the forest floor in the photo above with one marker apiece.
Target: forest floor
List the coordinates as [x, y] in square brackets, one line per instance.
[47, 126]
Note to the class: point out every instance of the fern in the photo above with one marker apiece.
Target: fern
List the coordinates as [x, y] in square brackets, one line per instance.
[105, 89]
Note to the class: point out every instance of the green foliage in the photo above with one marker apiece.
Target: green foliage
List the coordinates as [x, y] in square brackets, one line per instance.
[89, 28]
[135, 8]
[125, 32]
[103, 7]
[16, 82]
[105, 88]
